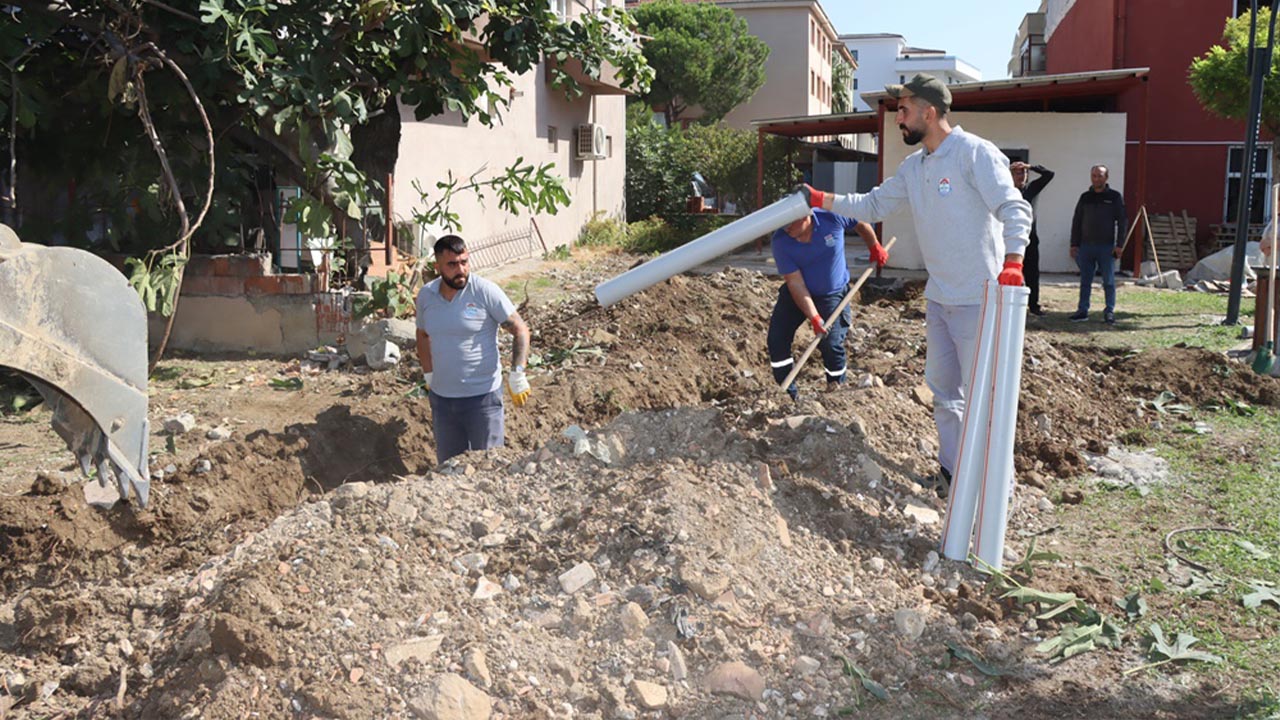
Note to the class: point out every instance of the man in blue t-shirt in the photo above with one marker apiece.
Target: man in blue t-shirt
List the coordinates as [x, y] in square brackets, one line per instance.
[809, 254]
[458, 319]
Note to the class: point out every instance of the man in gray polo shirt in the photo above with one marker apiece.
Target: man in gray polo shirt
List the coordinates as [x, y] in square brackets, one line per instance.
[458, 318]
[972, 225]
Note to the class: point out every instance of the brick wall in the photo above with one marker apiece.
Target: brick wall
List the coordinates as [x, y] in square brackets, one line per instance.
[238, 275]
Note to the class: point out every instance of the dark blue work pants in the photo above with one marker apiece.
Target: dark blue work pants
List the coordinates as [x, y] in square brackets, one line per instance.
[787, 318]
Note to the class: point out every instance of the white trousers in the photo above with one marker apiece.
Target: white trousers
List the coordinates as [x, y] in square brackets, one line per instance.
[951, 335]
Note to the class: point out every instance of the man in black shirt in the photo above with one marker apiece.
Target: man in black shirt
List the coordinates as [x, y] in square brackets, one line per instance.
[1096, 228]
[1031, 263]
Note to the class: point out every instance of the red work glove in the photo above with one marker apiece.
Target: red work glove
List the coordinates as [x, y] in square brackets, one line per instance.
[1012, 273]
[879, 256]
[816, 197]
[816, 322]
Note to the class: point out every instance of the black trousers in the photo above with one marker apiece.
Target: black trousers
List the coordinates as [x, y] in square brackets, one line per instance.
[1031, 272]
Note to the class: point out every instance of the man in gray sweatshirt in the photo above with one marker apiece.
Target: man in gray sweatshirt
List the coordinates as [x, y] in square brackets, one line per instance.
[972, 225]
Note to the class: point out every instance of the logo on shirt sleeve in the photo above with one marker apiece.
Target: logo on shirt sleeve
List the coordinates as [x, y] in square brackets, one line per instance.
[944, 187]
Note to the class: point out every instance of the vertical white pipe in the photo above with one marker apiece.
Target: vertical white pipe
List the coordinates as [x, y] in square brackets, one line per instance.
[997, 488]
[966, 480]
[708, 247]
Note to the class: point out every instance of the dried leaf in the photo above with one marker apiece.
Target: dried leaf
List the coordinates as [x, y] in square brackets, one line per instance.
[1261, 594]
[1254, 551]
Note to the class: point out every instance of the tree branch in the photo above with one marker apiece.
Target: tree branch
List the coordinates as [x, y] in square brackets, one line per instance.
[175, 11]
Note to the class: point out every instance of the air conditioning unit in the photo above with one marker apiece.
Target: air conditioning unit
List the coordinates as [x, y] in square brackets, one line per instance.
[591, 142]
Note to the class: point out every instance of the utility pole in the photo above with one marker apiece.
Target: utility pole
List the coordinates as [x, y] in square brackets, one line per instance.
[1258, 69]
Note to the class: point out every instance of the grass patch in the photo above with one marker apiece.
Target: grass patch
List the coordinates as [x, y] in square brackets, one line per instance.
[1145, 318]
[1230, 477]
[526, 287]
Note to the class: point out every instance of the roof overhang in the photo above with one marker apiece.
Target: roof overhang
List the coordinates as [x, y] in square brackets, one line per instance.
[1039, 88]
[814, 125]
[1032, 93]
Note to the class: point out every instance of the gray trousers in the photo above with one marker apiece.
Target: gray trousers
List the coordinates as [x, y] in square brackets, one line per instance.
[467, 423]
[951, 333]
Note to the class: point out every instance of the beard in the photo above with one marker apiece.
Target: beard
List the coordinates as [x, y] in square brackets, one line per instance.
[909, 136]
[457, 282]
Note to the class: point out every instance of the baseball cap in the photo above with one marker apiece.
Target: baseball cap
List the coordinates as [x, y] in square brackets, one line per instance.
[926, 87]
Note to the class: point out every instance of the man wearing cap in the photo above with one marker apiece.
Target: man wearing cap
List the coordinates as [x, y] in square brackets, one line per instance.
[458, 319]
[809, 254]
[972, 226]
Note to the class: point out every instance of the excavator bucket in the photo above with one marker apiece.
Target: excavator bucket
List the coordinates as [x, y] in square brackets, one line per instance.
[72, 325]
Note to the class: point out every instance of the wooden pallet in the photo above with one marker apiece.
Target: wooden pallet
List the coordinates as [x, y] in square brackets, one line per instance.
[1224, 234]
[1174, 237]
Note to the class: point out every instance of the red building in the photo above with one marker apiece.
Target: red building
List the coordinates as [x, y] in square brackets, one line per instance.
[1193, 159]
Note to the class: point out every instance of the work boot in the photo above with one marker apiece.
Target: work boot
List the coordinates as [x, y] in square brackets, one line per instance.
[1036, 310]
[1109, 317]
[1080, 316]
[941, 482]
[794, 392]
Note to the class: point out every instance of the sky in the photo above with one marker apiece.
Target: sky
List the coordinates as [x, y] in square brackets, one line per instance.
[980, 32]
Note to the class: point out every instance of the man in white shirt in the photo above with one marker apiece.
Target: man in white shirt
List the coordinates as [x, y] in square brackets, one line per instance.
[972, 225]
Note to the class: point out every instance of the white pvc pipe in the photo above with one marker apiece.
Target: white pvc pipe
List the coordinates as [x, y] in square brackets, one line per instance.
[708, 247]
[971, 460]
[997, 489]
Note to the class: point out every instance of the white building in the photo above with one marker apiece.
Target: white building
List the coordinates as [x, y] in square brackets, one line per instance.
[884, 58]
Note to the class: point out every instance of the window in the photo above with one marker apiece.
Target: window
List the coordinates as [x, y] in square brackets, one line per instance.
[902, 79]
[855, 55]
[813, 83]
[1031, 58]
[560, 7]
[608, 146]
[1260, 203]
[855, 83]
[552, 140]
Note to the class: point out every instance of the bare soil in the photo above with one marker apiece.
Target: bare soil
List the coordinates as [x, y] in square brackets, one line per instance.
[286, 580]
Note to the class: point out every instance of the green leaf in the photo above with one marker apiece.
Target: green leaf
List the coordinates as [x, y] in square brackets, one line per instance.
[1179, 649]
[964, 653]
[1065, 607]
[1133, 605]
[874, 688]
[1026, 565]
[292, 383]
[1025, 595]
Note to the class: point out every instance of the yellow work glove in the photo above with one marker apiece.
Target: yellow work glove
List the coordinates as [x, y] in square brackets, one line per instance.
[517, 387]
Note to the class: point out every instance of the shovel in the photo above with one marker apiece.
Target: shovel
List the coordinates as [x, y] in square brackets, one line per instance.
[1264, 362]
[844, 302]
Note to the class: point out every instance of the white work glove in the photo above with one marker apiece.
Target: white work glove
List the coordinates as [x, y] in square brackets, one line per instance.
[426, 380]
[517, 386]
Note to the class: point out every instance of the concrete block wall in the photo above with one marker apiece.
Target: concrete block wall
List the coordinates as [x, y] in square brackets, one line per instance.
[235, 304]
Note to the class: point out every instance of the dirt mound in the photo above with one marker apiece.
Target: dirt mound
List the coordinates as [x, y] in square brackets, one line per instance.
[708, 529]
